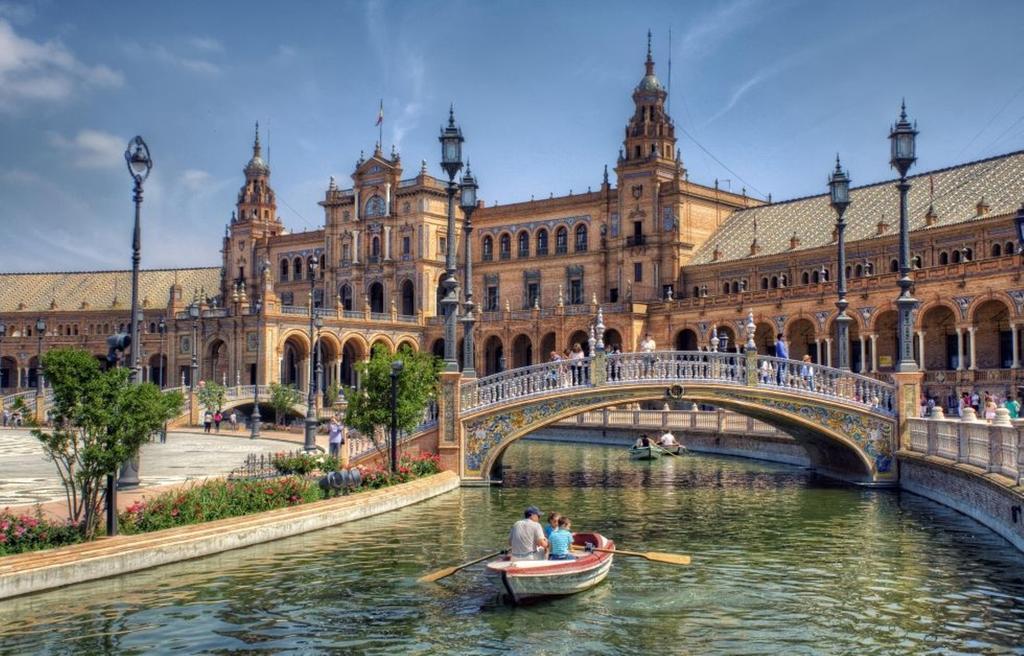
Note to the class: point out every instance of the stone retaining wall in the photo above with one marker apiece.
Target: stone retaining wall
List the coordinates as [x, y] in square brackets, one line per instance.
[55, 568]
[989, 498]
[772, 449]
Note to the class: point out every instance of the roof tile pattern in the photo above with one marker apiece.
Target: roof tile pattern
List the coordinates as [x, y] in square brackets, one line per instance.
[101, 290]
[958, 190]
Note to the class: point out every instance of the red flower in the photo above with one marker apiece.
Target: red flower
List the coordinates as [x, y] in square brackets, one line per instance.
[175, 513]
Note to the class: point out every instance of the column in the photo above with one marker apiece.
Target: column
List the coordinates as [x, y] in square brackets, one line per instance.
[959, 348]
[1016, 347]
[828, 351]
[874, 352]
[387, 242]
[920, 349]
[974, 353]
[387, 199]
[863, 355]
[355, 204]
[817, 350]
[355, 248]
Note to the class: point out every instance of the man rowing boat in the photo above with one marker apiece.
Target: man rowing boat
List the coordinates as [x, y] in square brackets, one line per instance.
[667, 439]
[526, 538]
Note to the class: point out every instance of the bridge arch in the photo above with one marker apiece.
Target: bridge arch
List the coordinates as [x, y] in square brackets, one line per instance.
[844, 421]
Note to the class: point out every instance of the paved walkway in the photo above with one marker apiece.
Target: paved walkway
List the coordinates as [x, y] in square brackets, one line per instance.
[27, 478]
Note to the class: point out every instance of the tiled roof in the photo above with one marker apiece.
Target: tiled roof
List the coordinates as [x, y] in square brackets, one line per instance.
[999, 181]
[102, 290]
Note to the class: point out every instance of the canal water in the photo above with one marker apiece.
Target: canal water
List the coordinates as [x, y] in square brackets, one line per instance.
[782, 563]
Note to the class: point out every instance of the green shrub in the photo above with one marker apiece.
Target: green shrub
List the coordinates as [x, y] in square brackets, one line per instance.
[20, 533]
[216, 499]
[296, 463]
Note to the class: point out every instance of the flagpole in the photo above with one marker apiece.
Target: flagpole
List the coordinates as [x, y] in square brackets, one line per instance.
[380, 126]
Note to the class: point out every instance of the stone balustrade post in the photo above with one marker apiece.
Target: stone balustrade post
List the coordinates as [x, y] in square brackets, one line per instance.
[721, 420]
[751, 358]
[599, 368]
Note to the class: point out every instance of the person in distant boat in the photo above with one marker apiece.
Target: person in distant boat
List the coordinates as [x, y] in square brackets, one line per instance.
[645, 440]
[668, 439]
[552, 524]
[561, 541]
[526, 538]
[639, 443]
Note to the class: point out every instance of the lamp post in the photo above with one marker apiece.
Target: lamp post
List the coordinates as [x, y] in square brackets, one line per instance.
[309, 444]
[839, 192]
[451, 161]
[40, 331]
[467, 201]
[161, 328]
[3, 333]
[256, 309]
[136, 156]
[193, 313]
[902, 140]
[396, 370]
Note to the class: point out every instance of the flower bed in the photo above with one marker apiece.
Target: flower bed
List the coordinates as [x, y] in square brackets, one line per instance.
[219, 499]
[20, 533]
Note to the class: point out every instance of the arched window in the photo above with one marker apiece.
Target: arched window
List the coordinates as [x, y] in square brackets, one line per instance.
[997, 250]
[915, 262]
[696, 291]
[375, 206]
[542, 242]
[943, 258]
[858, 270]
[523, 244]
[805, 278]
[956, 256]
[297, 266]
[284, 270]
[345, 296]
[375, 247]
[323, 261]
[561, 241]
[775, 282]
[488, 249]
[894, 266]
[505, 246]
[1008, 249]
[764, 282]
[581, 238]
[968, 254]
[815, 277]
[309, 266]
[408, 298]
[376, 294]
[725, 288]
[735, 287]
[849, 270]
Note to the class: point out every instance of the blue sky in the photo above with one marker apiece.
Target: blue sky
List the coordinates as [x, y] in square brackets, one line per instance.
[771, 88]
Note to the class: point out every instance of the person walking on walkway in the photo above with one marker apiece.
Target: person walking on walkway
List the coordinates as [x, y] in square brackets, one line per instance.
[217, 418]
[207, 421]
[334, 437]
[233, 420]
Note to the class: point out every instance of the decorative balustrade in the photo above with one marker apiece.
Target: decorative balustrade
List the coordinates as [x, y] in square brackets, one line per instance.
[671, 367]
[996, 447]
[690, 421]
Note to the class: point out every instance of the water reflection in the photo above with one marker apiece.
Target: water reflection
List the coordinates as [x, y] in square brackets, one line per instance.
[782, 563]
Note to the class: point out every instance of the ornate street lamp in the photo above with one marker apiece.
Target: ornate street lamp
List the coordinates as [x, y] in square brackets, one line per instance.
[396, 370]
[136, 156]
[3, 333]
[161, 328]
[451, 161]
[257, 307]
[309, 443]
[839, 192]
[40, 331]
[467, 201]
[193, 313]
[902, 141]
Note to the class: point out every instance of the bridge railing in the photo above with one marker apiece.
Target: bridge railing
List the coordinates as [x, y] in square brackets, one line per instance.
[689, 421]
[996, 447]
[671, 367]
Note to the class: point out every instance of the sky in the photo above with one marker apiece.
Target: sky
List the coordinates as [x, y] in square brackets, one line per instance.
[764, 93]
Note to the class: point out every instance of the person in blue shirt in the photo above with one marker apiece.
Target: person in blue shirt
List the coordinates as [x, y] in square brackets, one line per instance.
[561, 540]
[552, 524]
[782, 351]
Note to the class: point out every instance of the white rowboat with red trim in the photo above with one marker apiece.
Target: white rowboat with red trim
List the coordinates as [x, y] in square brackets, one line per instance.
[525, 580]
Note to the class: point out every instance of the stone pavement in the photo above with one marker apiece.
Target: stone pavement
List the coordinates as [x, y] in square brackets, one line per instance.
[27, 478]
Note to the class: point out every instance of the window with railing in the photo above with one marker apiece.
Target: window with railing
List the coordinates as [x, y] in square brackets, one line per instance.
[505, 247]
[561, 241]
[523, 244]
[542, 242]
[487, 250]
[491, 299]
[576, 291]
[581, 238]
[532, 296]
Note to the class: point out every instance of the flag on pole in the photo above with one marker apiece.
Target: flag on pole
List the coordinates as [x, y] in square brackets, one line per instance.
[380, 113]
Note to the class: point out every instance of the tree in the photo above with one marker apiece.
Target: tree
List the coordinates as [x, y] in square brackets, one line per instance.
[282, 399]
[331, 394]
[100, 420]
[369, 405]
[211, 395]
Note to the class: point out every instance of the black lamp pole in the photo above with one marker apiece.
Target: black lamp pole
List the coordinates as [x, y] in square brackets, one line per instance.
[136, 156]
[396, 369]
[193, 313]
[257, 309]
[902, 140]
[468, 203]
[40, 331]
[839, 191]
[161, 328]
[3, 333]
[309, 444]
[451, 161]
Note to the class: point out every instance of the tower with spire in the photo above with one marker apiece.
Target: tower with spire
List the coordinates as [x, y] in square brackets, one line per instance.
[650, 134]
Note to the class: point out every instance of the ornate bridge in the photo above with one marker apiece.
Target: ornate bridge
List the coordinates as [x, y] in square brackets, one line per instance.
[847, 422]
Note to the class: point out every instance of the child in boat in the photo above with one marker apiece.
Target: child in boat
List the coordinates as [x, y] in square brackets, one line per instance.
[561, 540]
[552, 524]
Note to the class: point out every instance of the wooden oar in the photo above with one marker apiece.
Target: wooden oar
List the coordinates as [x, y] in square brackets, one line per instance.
[448, 571]
[656, 556]
[667, 452]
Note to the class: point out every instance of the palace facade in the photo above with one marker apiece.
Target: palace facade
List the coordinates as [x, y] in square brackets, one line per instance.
[658, 252]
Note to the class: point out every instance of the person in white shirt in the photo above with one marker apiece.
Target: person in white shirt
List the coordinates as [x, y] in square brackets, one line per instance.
[667, 439]
[647, 345]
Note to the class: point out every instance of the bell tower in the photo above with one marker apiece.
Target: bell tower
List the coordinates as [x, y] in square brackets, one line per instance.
[650, 134]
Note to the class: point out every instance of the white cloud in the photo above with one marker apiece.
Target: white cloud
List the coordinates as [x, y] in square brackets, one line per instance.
[166, 56]
[195, 179]
[712, 31]
[207, 43]
[17, 13]
[32, 71]
[92, 149]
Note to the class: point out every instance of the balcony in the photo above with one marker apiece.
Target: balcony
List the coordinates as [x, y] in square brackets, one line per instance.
[636, 240]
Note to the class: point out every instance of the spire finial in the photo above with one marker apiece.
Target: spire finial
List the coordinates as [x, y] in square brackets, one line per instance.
[649, 64]
[648, 45]
[606, 174]
[903, 109]
[451, 115]
[839, 168]
[256, 142]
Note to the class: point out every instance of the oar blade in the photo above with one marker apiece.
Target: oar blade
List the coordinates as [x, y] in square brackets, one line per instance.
[438, 575]
[670, 558]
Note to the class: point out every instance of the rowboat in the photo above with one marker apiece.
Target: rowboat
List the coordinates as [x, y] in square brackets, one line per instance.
[644, 452]
[674, 449]
[525, 580]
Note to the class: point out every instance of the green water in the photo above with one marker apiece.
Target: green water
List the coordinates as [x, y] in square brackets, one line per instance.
[781, 564]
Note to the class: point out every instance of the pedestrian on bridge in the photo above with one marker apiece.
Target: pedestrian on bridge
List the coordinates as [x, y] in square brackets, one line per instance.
[782, 352]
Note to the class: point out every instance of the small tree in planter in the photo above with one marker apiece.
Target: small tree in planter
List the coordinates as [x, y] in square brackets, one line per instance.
[331, 394]
[369, 406]
[282, 399]
[100, 420]
[211, 395]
